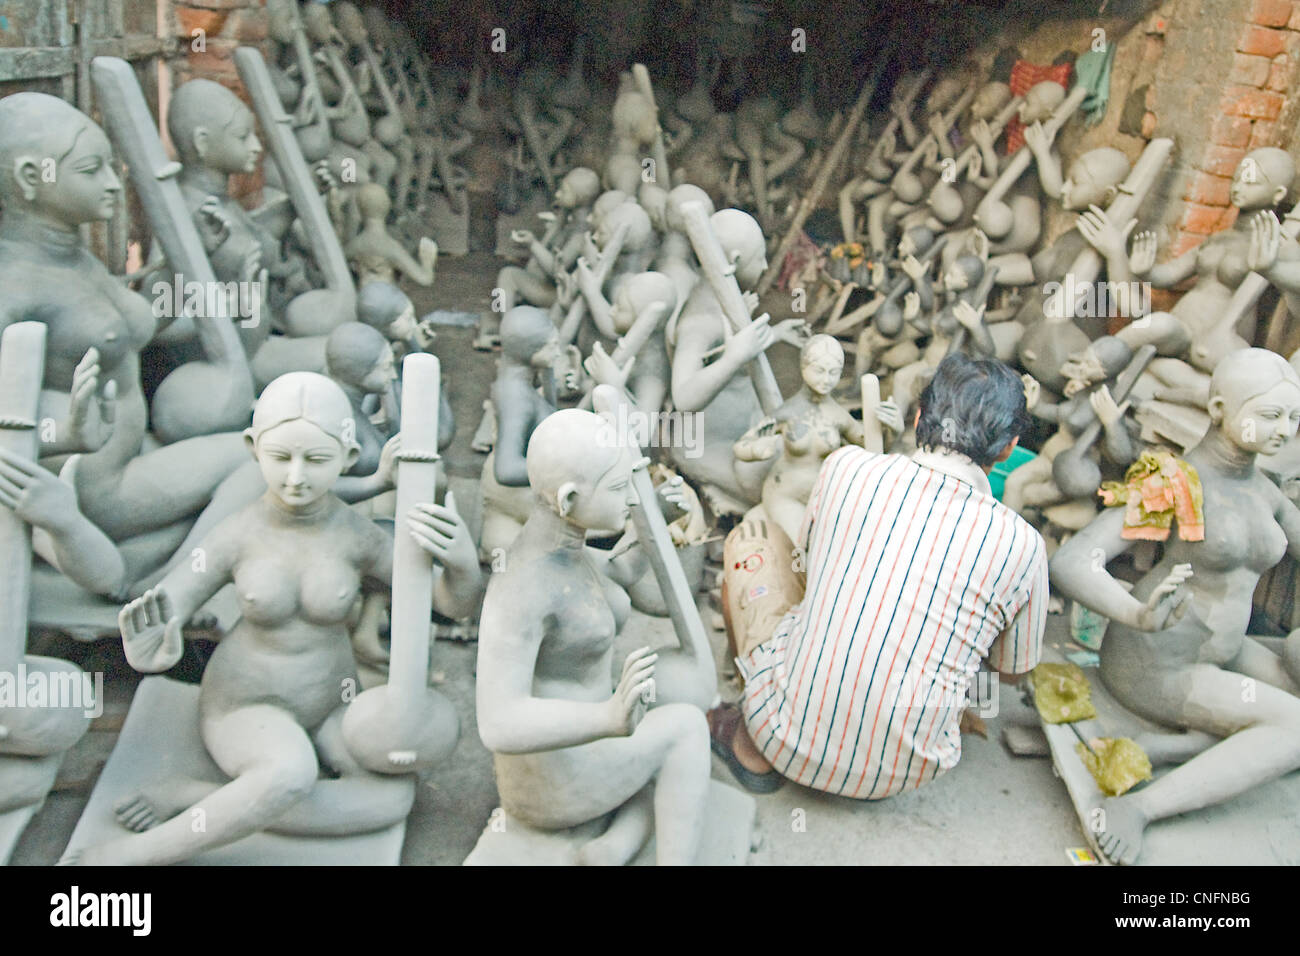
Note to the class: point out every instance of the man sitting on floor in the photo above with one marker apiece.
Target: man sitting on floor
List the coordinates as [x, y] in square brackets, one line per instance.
[857, 647]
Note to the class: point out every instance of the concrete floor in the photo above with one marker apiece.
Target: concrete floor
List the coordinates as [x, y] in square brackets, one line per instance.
[992, 809]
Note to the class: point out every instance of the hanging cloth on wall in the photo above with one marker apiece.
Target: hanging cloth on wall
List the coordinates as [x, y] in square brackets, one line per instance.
[1024, 76]
[1092, 71]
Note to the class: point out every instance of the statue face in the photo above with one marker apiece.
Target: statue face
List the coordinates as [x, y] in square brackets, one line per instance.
[607, 505]
[236, 148]
[1251, 188]
[1081, 188]
[384, 373]
[1266, 422]
[300, 462]
[348, 19]
[403, 327]
[565, 197]
[821, 373]
[549, 354]
[84, 186]
[316, 20]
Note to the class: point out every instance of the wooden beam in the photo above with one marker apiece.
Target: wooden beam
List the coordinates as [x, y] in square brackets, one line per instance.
[34, 63]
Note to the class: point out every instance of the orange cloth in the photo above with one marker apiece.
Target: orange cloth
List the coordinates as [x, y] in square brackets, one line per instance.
[1157, 489]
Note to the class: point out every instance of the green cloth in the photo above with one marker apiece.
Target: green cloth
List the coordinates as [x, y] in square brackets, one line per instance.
[1118, 766]
[1062, 694]
[1092, 70]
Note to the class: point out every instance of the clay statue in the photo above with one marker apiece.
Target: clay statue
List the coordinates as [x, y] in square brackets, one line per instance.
[270, 699]
[529, 350]
[567, 750]
[375, 255]
[802, 432]
[1176, 651]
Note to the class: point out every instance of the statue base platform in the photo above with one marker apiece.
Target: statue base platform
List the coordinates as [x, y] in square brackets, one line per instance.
[728, 833]
[1255, 828]
[160, 739]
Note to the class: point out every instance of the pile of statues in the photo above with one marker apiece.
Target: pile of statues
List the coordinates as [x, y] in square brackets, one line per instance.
[282, 436]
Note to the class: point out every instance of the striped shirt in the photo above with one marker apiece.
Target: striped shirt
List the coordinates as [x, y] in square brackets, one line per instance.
[915, 574]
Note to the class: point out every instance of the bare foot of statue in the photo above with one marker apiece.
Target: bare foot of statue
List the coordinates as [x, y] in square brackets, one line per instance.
[1122, 824]
[626, 834]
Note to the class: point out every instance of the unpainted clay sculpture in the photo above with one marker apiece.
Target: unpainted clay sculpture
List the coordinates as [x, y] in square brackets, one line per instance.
[567, 750]
[1176, 651]
[272, 699]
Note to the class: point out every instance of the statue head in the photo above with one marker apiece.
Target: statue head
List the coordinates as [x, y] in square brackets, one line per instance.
[529, 337]
[606, 203]
[629, 215]
[373, 202]
[915, 241]
[1262, 179]
[945, 92]
[653, 198]
[316, 21]
[1255, 400]
[581, 469]
[280, 20]
[1094, 178]
[634, 117]
[387, 309]
[350, 23]
[741, 238]
[623, 172]
[55, 162]
[360, 357]
[684, 193]
[303, 436]
[1041, 101]
[638, 292]
[990, 100]
[821, 362]
[579, 187]
[212, 128]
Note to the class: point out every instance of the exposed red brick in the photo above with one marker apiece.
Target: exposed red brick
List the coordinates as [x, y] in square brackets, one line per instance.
[1163, 300]
[217, 59]
[1270, 13]
[191, 19]
[1249, 70]
[1148, 124]
[1263, 134]
[1251, 103]
[1220, 160]
[1201, 219]
[1230, 131]
[1261, 41]
[247, 26]
[1278, 73]
[1208, 189]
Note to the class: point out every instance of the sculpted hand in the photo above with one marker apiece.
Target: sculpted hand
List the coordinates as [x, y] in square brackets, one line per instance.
[442, 532]
[1265, 240]
[879, 275]
[1033, 391]
[93, 408]
[966, 314]
[151, 632]
[524, 237]
[604, 370]
[975, 166]
[1102, 234]
[387, 470]
[33, 493]
[751, 301]
[913, 267]
[672, 499]
[1167, 603]
[214, 224]
[1081, 370]
[911, 306]
[794, 332]
[1107, 411]
[635, 687]
[1142, 256]
[425, 334]
[981, 133]
[428, 253]
[751, 341]
[891, 416]
[1036, 138]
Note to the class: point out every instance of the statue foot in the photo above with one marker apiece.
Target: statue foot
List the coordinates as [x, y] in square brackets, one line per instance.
[626, 834]
[1123, 824]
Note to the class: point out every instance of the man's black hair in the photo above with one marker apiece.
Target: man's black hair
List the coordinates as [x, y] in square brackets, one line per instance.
[971, 406]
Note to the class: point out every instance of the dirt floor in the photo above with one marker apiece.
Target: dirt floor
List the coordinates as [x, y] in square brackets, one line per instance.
[992, 809]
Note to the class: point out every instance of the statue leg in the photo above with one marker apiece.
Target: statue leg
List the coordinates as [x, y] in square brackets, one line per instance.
[1261, 741]
[632, 825]
[272, 765]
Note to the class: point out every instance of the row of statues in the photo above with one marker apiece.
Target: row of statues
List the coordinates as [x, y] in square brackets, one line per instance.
[284, 446]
